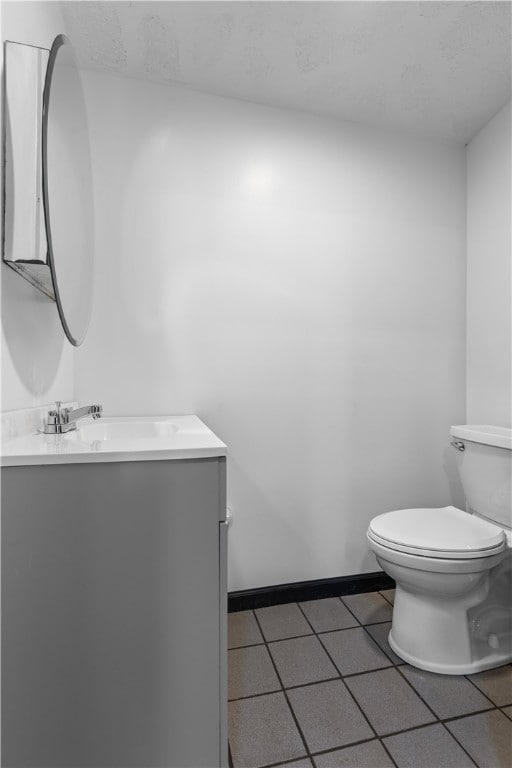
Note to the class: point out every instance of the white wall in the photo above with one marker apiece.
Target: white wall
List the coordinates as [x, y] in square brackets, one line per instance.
[489, 395]
[300, 285]
[37, 361]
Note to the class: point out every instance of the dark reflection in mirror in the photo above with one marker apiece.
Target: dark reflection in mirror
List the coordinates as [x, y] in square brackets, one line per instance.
[67, 190]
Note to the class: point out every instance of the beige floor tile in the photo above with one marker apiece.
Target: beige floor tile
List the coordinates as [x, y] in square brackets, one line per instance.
[426, 748]
[353, 650]
[250, 672]
[279, 622]
[328, 716]
[328, 614]
[262, 732]
[447, 695]
[371, 754]
[496, 684]
[487, 737]
[301, 661]
[388, 594]
[369, 607]
[379, 633]
[388, 701]
[243, 629]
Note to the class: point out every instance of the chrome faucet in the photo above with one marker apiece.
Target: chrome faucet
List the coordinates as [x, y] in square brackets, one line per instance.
[64, 419]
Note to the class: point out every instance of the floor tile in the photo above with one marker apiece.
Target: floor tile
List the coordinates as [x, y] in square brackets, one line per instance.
[279, 622]
[388, 701]
[353, 650]
[327, 614]
[328, 716]
[388, 594]
[243, 629]
[380, 633]
[262, 731]
[301, 661]
[487, 737]
[250, 671]
[427, 747]
[447, 695]
[306, 763]
[496, 684]
[508, 711]
[369, 607]
[369, 755]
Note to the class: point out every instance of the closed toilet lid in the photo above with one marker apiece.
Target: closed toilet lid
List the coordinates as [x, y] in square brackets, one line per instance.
[447, 532]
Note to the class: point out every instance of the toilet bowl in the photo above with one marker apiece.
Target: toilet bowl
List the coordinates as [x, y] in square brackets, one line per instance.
[453, 569]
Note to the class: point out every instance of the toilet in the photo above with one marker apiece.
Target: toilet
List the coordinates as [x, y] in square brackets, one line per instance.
[453, 568]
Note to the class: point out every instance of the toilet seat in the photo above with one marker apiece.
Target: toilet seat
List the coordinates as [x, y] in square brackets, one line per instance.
[445, 532]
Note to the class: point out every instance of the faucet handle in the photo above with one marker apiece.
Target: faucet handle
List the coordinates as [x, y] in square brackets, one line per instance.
[59, 415]
[53, 416]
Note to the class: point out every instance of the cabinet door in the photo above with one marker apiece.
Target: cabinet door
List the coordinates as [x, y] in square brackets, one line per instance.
[110, 628]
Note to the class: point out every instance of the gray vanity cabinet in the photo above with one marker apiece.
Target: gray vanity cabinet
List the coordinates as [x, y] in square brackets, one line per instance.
[114, 615]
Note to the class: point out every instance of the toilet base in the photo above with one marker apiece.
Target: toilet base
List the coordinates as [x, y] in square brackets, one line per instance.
[452, 617]
[490, 662]
[453, 634]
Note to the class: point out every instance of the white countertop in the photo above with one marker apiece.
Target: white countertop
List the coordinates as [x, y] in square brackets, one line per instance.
[114, 438]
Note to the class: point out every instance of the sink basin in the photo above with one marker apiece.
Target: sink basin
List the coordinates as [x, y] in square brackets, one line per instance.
[109, 429]
[116, 438]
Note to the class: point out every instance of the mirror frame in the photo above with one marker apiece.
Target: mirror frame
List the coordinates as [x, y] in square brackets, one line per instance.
[57, 44]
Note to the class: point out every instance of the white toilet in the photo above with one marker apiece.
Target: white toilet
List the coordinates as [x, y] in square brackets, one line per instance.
[453, 569]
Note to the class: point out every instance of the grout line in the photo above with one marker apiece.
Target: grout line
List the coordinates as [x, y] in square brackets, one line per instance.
[376, 623]
[348, 689]
[411, 686]
[394, 663]
[350, 676]
[291, 637]
[292, 687]
[350, 611]
[368, 671]
[290, 760]
[460, 744]
[285, 762]
[377, 646]
[400, 672]
[297, 725]
[309, 634]
[249, 645]
[256, 695]
[339, 676]
[479, 689]
[361, 623]
[384, 746]
[387, 599]
[345, 746]
[469, 714]
[367, 623]
[336, 629]
[318, 632]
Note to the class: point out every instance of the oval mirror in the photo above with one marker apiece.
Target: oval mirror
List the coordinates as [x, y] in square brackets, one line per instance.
[67, 190]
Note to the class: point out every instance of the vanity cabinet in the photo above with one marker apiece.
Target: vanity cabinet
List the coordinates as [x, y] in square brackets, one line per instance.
[114, 614]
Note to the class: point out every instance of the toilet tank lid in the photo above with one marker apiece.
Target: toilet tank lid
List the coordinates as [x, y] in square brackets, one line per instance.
[500, 437]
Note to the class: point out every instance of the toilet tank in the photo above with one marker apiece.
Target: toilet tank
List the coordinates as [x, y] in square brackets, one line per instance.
[484, 462]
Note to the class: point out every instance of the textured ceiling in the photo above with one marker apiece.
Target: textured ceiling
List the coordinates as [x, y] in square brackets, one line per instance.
[434, 68]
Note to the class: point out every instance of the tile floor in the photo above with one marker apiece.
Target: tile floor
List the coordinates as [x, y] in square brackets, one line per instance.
[316, 685]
